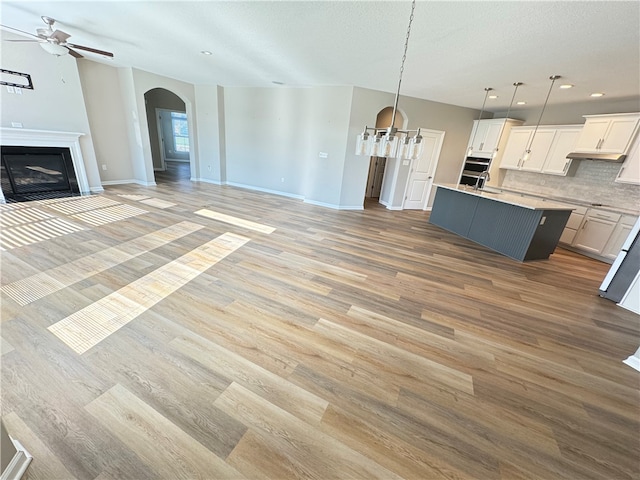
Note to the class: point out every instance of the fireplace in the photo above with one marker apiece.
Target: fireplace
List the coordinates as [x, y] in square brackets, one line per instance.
[63, 172]
[35, 173]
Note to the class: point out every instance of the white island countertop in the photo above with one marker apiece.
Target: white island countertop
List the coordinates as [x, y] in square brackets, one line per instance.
[510, 198]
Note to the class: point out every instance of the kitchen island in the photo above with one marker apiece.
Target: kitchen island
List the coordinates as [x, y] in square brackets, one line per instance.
[519, 227]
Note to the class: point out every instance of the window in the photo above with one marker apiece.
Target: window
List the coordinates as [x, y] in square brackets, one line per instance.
[180, 130]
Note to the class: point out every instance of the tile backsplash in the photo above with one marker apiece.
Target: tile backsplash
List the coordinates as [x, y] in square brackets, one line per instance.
[593, 182]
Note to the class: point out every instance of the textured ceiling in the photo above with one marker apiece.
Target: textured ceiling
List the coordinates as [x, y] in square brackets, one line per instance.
[456, 48]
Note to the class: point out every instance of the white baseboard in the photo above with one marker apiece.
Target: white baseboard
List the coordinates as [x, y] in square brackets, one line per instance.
[131, 180]
[18, 464]
[206, 180]
[96, 189]
[333, 205]
[389, 206]
[633, 362]
[265, 190]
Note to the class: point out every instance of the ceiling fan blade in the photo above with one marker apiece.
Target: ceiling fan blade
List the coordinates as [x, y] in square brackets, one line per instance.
[18, 30]
[73, 53]
[89, 49]
[60, 36]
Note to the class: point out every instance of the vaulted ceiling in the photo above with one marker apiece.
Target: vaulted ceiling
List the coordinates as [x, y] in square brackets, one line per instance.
[456, 49]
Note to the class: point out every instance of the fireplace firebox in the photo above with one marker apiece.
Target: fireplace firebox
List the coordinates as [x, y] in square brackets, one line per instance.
[35, 173]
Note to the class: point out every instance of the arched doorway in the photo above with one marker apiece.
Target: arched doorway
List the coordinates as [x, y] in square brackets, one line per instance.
[168, 135]
[378, 165]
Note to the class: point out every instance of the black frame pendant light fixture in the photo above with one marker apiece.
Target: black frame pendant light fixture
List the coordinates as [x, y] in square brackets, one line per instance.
[389, 141]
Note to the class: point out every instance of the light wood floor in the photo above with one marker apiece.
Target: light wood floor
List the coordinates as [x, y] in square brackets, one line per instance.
[275, 339]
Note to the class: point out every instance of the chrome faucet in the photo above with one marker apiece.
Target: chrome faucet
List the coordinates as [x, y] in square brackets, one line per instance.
[486, 177]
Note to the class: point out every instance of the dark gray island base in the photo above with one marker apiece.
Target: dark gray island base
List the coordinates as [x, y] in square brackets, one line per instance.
[521, 228]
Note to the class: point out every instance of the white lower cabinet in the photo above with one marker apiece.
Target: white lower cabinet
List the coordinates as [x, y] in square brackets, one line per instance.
[596, 230]
[618, 236]
[573, 224]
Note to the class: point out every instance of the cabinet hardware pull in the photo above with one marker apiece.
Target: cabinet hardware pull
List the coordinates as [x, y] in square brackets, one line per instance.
[481, 145]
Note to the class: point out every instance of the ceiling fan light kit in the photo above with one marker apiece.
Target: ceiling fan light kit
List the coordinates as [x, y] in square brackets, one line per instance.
[54, 48]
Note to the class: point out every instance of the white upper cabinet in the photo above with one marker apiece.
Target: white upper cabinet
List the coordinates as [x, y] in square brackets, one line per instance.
[608, 133]
[485, 136]
[549, 149]
[630, 171]
[564, 143]
[540, 147]
[516, 147]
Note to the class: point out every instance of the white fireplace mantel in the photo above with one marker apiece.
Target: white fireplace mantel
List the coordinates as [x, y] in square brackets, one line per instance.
[23, 137]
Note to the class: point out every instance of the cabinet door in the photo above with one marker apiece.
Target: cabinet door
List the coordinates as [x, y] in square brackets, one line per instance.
[539, 150]
[630, 171]
[619, 235]
[618, 135]
[592, 132]
[516, 147]
[564, 142]
[478, 135]
[594, 235]
[492, 134]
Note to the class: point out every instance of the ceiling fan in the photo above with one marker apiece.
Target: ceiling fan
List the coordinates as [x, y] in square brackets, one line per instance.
[55, 41]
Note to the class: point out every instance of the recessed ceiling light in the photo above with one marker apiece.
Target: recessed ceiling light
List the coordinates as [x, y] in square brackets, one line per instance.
[493, 97]
[521, 103]
[566, 85]
[597, 94]
[206, 52]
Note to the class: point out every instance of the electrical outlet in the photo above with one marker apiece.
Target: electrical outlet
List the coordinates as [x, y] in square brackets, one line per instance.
[18, 91]
[11, 89]
[323, 155]
[282, 179]
[104, 166]
[209, 167]
[16, 124]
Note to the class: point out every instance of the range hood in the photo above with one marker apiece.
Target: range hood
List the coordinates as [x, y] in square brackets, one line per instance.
[608, 157]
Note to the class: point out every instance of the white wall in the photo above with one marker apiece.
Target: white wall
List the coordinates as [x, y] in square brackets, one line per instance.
[210, 118]
[56, 103]
[107, 116]
[274, 136]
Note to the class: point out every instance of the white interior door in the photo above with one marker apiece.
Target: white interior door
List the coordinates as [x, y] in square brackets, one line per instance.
[422, 171]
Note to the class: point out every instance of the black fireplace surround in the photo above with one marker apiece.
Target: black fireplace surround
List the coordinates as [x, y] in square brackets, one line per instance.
[36, 173]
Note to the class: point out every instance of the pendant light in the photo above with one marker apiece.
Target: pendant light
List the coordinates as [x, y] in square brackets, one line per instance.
[516, 85]
[470, 151]
[391, 142]
[527, 154]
